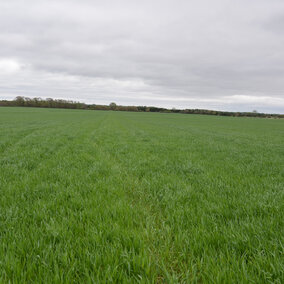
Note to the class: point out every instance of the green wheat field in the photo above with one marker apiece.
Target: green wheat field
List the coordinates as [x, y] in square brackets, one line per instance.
[120, 197]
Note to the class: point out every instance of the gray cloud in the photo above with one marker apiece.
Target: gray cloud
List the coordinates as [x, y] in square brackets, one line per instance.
[221, 54]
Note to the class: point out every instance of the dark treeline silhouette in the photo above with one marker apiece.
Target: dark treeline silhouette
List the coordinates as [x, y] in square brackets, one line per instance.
[57, 103]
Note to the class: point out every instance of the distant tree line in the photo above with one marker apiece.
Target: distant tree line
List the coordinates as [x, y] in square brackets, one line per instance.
[68, 104]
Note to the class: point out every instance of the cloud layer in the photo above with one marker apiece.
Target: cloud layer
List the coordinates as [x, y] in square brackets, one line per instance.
[224, 54]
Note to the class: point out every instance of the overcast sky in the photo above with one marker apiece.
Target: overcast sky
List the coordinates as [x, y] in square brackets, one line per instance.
[221, 54]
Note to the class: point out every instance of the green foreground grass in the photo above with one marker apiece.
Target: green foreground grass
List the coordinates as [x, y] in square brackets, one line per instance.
[93, 196]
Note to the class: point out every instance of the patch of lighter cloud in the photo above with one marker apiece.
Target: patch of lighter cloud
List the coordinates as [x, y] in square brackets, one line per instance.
[255, 99]
[9, 66]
